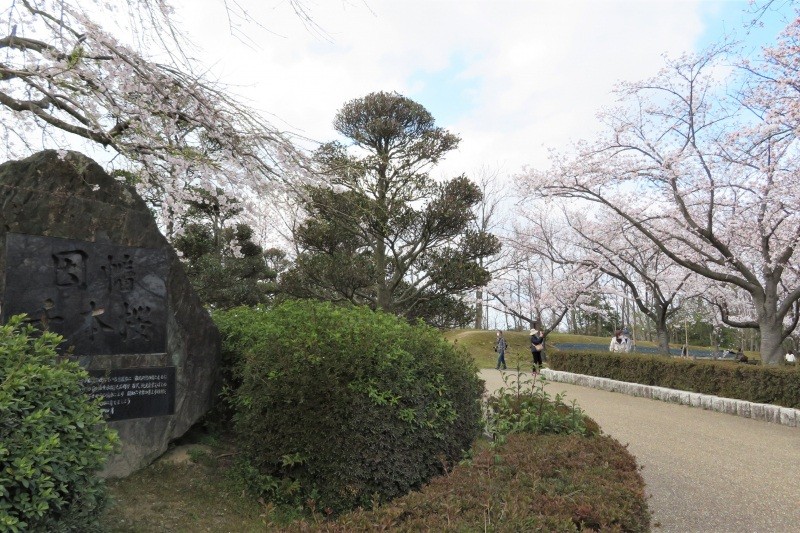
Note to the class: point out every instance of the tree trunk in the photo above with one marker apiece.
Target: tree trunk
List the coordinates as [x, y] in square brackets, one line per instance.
[715, 334]
[663, 339]
[382, 294]
[771, 337]
[770, 325]
[479, 309]
[658, 317]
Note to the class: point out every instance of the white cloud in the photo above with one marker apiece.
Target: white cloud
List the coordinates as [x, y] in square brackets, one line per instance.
[526, 75]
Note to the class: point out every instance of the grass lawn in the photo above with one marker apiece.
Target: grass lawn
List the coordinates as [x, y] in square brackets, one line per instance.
[194, 494]
[480, 345]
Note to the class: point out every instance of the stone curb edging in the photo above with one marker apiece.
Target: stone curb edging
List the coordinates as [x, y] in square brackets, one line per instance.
[776, 414]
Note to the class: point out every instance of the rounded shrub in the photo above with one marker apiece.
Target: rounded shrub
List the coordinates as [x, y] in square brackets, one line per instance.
[53, 438]
[347, 405]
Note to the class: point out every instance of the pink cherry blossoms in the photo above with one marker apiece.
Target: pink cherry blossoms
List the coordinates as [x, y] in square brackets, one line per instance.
[65, 78]
[706, 177]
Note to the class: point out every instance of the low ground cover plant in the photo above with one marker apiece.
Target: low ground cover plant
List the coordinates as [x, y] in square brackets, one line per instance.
[53, 439]
[523, 405]
[546, 469]
[342, 406]
[554, 483]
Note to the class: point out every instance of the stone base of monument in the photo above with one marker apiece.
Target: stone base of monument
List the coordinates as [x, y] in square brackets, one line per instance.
[81, 255]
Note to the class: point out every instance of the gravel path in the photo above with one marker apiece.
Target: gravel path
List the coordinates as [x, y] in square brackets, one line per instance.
[705, 471]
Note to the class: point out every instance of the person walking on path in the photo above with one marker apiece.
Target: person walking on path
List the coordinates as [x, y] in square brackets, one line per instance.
[500, 346]
[537, 347]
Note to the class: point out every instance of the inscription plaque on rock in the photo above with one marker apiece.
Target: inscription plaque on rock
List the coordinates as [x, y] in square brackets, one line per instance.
[104, 299]
[133, 392]
[82, 256]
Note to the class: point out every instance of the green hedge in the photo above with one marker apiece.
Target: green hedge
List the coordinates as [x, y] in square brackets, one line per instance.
[53, 439]
[343, 406]
[754, 383]
[554, 483]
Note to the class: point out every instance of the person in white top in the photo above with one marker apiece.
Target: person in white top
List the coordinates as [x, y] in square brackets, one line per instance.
[619, 343]
[790, 358]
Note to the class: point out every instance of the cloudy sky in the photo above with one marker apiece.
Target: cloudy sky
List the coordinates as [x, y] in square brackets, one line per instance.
[513, 78]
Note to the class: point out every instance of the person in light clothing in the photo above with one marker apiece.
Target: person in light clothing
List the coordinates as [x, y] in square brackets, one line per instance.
[619, 343]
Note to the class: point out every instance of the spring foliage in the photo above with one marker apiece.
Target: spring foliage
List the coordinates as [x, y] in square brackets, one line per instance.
[53, 439]
[347, 405]
[524, 406]
[119, 74]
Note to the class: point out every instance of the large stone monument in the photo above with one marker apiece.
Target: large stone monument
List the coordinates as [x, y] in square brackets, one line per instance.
[82, 256]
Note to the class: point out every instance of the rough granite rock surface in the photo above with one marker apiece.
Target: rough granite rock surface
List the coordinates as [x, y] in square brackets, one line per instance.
[67, 195]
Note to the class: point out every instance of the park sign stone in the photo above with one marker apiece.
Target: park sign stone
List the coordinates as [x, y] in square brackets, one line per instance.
[82, 256]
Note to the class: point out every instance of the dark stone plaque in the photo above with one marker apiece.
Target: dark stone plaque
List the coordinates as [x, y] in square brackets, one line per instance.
[104, 299]
[133, 392]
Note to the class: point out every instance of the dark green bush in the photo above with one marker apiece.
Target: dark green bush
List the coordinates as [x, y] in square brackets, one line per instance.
[353, 405]
[53, 439]
[553, 483]
[778, 385]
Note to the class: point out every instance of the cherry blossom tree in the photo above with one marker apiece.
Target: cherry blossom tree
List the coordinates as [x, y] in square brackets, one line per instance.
[607, 246]
[707, 176]
[536, 289]
[68, 77]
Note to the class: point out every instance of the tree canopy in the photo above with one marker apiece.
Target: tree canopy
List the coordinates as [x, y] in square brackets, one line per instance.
[380, 231]
[67, 77]
[708, 177]
[225, 266]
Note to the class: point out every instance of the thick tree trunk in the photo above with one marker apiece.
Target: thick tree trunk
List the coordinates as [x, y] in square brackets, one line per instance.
[662, 331]
[771, 338]
[663, 339]
[770, 325]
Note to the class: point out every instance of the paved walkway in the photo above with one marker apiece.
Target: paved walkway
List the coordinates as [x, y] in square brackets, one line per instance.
[705, 471]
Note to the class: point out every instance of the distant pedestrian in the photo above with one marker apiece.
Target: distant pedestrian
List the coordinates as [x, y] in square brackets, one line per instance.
[500, 346]
[684, 351]
[619, 343]
[790, 358]
[537, 347]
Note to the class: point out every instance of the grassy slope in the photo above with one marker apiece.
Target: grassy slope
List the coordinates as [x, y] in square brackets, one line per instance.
[480, 345]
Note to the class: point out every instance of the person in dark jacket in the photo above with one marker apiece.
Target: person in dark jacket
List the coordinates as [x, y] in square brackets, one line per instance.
[537, 347]
[500, 346]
